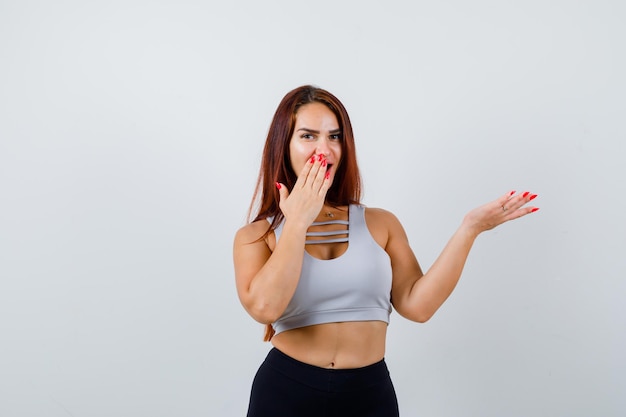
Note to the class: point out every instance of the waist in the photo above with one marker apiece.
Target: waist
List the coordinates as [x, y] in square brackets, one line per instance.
[341, 345]
[328, 380]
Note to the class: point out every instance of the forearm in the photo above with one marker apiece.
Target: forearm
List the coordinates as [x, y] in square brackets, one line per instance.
[416, 296]
[273, 286]
[430, 291]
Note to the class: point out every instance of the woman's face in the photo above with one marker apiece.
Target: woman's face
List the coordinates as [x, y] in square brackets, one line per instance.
[316, 132]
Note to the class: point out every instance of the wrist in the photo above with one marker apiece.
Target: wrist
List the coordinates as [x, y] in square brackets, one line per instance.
[469, 229]
[295, 226]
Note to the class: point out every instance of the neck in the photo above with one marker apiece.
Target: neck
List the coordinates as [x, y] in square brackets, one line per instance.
[329, 212]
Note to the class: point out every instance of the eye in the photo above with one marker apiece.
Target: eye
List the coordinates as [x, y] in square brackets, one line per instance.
[336, 136]
[307, 136]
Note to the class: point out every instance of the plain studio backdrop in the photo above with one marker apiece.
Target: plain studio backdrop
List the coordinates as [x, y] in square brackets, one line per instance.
[130, 140]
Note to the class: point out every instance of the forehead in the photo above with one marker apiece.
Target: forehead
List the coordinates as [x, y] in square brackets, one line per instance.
[317, 114]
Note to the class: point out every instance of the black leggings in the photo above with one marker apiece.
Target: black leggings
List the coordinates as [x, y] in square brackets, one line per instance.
[285, 387]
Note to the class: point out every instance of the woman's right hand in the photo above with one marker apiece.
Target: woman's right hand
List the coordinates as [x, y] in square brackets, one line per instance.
[306, 199]
[267, 279]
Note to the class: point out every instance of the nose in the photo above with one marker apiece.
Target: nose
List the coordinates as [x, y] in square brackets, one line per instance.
[323, 147]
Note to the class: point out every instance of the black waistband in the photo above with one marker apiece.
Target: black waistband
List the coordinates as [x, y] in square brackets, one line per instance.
[333, 380]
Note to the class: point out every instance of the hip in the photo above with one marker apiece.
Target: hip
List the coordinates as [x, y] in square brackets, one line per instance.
[286, 386]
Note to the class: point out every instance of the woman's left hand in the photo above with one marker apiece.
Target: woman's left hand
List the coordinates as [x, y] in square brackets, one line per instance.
[508, 207]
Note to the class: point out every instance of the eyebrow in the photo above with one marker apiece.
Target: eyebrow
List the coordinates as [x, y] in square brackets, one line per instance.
[306, 129]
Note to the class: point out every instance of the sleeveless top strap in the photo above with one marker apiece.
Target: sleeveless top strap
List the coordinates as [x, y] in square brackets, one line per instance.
[326, 233]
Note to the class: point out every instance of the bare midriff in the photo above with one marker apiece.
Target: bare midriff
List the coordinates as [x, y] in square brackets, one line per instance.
[344, 345]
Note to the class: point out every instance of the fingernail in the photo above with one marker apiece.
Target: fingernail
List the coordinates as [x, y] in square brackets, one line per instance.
[525, 194]
[320, 157]
[324, 163]
[511, 193]
[532, 197]
[327, 176]
[534, 209]
[313, 159]
[278, 185]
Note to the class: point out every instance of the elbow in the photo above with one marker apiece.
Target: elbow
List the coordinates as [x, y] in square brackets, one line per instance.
[264, 313]
[424, 311]
[421, 316]
[263, 309]
[418, 315]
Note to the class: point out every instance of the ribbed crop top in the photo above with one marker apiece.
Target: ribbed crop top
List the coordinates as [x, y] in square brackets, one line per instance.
[355, 286]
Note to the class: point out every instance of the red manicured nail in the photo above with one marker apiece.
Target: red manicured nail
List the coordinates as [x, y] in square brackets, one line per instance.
[312, 159]
[525, 194]
[327, 176]
[324, 163]
[278, 185]
[320, 157]
[532, 197]
[534, 209]
[511, 193]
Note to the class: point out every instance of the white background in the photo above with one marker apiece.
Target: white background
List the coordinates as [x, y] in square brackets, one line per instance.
[130, 138]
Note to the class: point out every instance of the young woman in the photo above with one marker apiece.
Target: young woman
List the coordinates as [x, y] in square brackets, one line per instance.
[322, 271]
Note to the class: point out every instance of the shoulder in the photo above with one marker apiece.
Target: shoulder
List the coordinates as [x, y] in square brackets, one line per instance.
[379, 215]
[383, 225]
[253, 233]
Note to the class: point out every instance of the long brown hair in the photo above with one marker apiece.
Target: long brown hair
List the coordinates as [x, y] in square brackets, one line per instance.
[276, 162]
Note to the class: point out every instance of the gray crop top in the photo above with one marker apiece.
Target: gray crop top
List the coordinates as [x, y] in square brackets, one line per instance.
[355, 286]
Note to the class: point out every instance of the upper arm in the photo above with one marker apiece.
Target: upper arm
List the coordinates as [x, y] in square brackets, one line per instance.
[405, 267]
[250, 253]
